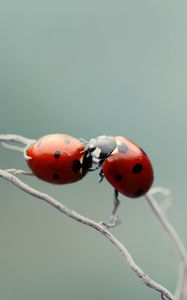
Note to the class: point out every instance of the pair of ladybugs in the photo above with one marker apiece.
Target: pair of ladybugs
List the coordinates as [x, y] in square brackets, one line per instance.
[62, 159]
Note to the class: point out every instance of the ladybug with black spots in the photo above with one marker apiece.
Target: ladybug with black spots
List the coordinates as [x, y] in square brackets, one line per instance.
[124, 164]
[58, 159]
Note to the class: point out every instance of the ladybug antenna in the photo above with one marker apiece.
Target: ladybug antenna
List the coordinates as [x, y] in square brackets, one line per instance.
[83, 141]
[85, 144]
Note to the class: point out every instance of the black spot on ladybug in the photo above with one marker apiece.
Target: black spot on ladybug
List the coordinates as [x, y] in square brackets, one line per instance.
[137, 168]
[38, 143]
[118, 177]
[139, 193]
[57, 154]
[77, 166]
[143, 151]
[122, 148]
[66, 141]
[56, 176]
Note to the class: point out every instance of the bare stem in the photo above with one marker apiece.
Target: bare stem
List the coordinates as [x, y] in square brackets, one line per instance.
[15, 138]
[181, 285]
[176, 240]
[74, 215]
[12, 147]
[19, 172]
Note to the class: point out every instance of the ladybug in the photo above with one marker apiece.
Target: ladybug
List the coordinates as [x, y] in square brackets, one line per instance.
[128, 169]
[58, 159]
[124, 164]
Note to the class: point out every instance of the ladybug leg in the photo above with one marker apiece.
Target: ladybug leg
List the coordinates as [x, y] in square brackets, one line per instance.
[98, 165]
[101, 174]
[93, 169]
[116, 202]
[114, 220]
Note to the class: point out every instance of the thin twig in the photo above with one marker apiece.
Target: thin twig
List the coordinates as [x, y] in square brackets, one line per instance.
[4, 138]
[74, 215]
[167, 227]
[176, 240]
[19, 172]
[12, 147]
[15, 138]
[181, 285]
[167, 201]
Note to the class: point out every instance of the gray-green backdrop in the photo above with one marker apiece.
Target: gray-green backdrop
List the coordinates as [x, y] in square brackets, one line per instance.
[88, 68]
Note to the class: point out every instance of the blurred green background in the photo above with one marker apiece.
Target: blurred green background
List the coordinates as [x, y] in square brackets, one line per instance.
[88, 68]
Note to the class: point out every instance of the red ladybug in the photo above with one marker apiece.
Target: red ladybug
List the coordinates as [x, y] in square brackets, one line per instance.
[128, 169]
[58, 159]
[124, 164]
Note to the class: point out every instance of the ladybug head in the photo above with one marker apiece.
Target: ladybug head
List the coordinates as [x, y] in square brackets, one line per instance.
[101, 147]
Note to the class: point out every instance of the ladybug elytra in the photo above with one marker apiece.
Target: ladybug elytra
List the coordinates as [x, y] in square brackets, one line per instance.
[58, 159]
